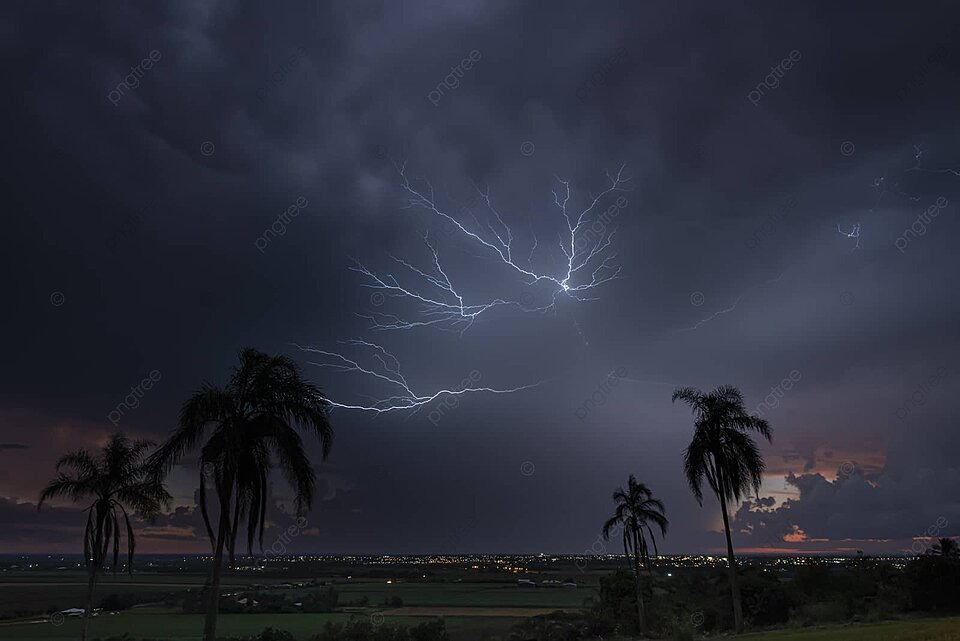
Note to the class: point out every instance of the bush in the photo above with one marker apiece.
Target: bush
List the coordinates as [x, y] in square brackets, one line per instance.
[765, 601]
[682, 632]
[320, 601]
[821, 612]
[558, 626]
[933, 583]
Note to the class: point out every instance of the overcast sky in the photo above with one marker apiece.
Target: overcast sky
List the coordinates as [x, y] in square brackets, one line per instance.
[783, 221]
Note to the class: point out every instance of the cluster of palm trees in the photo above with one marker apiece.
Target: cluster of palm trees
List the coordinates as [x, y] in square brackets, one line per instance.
[723, 453]
[242, 430]
[253, 425]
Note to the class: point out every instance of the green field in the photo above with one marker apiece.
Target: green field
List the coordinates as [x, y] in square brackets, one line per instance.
[473, 610]
[920, 630]
[41, 593]
[189, 626]
[460, 594]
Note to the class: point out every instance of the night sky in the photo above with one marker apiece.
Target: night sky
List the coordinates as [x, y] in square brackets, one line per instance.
[788, 227]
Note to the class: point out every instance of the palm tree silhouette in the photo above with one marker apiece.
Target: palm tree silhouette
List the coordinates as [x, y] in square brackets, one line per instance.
[253, 420]
[946, 547]
[723, 452]
[636, 510]
[116, 483]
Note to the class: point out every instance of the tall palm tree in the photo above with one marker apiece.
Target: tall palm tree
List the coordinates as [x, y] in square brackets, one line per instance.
[946, 547]
[248, 424]
[636, 510]
[723, 452]
[117, 483]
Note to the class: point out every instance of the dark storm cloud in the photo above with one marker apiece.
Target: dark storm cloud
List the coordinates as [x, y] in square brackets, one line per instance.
[138, 193]
[852, 509]
[28, 529]
[59, 528]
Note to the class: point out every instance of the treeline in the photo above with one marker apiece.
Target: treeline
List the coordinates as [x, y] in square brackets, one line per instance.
[694, 602]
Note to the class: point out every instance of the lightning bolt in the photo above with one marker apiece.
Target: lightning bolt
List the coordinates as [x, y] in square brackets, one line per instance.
[383, 368]
[853, 233]
[884, 187]
[732, 306]
[588, 260]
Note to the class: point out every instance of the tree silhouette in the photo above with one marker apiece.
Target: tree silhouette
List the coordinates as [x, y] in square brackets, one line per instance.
[253, 421]
[635, 510]
[117, 483]
[723, 453]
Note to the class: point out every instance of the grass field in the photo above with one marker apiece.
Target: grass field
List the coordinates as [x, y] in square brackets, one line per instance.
[919, 630]
[41, 594]
[465, 594]
[182, 627]
[473, 611]
[189, 626]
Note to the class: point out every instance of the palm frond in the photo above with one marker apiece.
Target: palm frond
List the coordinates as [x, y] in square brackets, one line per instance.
[66, 487]
[207, 405]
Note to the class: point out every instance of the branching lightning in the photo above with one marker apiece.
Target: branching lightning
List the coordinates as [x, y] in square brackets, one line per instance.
[883, 187]
[588, 260]
[853, 233]
[382, 368]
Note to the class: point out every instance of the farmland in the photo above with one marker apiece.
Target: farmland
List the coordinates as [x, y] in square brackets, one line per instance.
[479, 599]
[472, 606]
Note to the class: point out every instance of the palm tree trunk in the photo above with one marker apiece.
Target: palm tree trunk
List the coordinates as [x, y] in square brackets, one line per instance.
[233, 536]
[213, 604]
[732, 567]
[88, 610]
[641, 609]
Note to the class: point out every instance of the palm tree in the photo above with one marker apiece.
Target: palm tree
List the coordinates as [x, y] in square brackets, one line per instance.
[636, 510]
[723, 452]
[252, 421]
[946, 547]
[117, 483]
